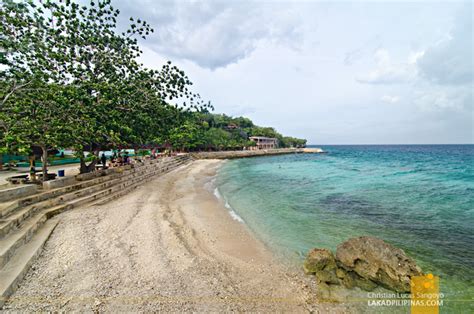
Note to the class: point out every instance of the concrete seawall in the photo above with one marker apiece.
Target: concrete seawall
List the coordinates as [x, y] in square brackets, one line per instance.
[255, 153]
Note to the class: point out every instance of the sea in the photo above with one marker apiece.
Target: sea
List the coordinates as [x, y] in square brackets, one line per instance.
[417, 197]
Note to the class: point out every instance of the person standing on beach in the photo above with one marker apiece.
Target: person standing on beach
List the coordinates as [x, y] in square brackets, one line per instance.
[103, 159]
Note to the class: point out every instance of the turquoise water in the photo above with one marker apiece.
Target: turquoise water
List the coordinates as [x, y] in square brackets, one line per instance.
[419, 198]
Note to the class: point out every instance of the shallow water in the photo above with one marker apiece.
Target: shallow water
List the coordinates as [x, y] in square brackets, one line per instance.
[417, 197]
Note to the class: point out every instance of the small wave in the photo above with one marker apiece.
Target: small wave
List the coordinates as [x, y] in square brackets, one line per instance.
[232, 213]
[235, 216]
[210, 184]
[217, 194]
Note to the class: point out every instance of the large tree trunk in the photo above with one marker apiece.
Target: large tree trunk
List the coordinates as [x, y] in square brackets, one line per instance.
[32, 168]
[85, 168]
[44, 160]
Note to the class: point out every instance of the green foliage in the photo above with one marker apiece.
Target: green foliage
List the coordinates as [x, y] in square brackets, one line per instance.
[218, 139]
[222, 132]
[185, 136]
[69, 78]
[293, 142]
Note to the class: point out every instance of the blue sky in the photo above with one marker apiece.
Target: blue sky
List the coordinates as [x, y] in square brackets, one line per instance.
[332, 72]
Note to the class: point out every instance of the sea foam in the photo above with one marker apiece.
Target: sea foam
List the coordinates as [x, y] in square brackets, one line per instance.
[232, 213]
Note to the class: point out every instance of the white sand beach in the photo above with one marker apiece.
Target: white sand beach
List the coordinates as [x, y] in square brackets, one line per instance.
[169, 245]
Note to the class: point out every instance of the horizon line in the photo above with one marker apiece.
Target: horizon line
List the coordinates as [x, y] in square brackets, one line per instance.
[368, 144]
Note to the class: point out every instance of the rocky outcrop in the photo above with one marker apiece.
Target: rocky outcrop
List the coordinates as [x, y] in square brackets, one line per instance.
[363, 262]
[378, 261]
[319, 259]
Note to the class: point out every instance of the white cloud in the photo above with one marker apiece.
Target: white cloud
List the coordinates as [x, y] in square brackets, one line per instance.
[284, 64]
[214, 34]
[437, 78]
[390, 99]
[388, 72]
[355, 55]
[450, 62]
[415, 56]
[447, 70]
[434, 98]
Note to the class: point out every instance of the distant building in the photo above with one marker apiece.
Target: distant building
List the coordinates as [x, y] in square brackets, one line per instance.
[231, 126]
[264, 142]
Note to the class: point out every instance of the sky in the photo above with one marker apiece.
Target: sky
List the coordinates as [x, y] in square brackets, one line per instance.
[371, 72]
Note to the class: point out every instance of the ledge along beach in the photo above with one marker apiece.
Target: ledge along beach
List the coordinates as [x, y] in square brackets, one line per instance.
[169, 245]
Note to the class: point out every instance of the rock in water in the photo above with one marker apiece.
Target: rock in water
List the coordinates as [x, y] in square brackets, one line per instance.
[378, 261]
[319, 260]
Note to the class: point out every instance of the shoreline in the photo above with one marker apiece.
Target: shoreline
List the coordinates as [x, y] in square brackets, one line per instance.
[169, 245]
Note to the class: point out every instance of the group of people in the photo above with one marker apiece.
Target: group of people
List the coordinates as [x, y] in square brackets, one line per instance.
[116, 160]
[119, 159]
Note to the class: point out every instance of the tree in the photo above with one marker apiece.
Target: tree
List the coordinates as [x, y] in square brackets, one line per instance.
[222, 132]
[186, 136]
[38, 116]
[61, 43]
[217, 139]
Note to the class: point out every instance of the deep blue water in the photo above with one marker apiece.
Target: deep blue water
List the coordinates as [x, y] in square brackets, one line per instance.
[417, 197]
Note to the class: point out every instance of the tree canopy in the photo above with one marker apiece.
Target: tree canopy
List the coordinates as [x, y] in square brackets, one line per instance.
[70, 79]
[222, 132]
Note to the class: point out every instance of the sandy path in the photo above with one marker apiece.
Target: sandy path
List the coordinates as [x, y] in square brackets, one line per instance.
[169, 245]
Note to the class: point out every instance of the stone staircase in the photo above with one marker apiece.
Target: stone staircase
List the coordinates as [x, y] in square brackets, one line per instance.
[27, 222]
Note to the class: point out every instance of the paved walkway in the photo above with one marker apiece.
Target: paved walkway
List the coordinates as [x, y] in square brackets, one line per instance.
[70, 170]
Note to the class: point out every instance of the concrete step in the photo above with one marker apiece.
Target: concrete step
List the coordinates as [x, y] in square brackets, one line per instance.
[116, 195]
[63, 190]
[9, 245]
[15, 192]
[126, 190]
[13, 272]
[17, 238]
[16, 218]
[7, 207]
[123, 183]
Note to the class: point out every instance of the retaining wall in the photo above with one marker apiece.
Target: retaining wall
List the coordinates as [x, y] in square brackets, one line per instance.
[254, 153]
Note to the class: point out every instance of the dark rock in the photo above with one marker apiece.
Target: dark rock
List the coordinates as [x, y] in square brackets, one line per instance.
[341, 273]
[324, 291]
[319, 259]
[375, 262]
[351, 280]
[327, 276]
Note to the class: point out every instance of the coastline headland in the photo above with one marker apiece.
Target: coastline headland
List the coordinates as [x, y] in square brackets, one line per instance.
[255, 153]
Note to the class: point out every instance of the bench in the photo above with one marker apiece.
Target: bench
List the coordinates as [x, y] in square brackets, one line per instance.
[18, 179]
